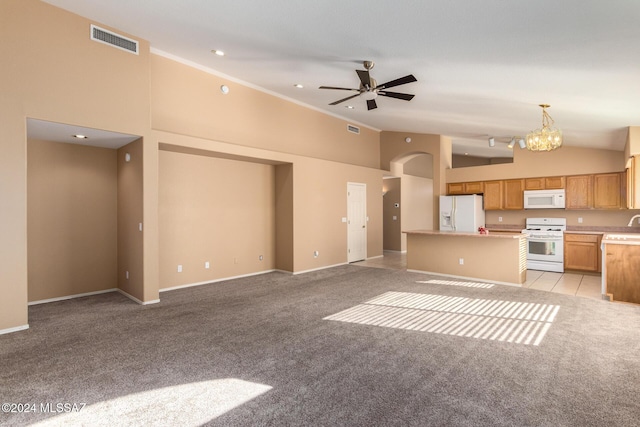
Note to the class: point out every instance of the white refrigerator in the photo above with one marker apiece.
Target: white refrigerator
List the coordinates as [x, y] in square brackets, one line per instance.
[461, 213]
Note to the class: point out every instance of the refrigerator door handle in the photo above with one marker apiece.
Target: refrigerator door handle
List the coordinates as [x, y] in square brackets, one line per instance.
[453, 213]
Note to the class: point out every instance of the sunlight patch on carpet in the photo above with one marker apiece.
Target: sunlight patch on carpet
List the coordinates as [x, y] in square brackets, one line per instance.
[192, 404]
[458, 283]
[507, 321]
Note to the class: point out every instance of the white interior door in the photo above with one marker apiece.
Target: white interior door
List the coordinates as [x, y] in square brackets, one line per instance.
[356, 221]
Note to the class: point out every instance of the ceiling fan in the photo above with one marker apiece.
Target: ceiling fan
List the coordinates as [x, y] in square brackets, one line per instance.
[369, 89]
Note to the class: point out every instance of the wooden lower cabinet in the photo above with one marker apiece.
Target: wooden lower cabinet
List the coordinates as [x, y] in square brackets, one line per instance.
[582, 252]
[623, 270]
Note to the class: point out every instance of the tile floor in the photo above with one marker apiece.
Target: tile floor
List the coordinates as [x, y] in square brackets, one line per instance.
[582, 285]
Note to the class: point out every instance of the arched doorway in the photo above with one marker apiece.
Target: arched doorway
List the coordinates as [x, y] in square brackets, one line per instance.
[408, 198]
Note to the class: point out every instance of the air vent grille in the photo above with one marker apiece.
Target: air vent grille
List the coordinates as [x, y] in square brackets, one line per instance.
[107, 37]
[353, 129]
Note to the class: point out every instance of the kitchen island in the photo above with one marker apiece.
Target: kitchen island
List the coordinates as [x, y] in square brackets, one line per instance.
[496, 257]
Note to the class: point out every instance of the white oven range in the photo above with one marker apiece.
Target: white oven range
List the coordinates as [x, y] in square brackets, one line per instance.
[545, 243]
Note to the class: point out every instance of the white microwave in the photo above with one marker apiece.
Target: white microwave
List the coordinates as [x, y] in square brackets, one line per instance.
[544, 199]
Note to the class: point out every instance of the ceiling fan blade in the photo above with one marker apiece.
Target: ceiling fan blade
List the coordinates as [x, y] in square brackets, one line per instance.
[365, 78]
[397, 82]
[397, 95]
[338, 88]
[344, 99]
[371, 104]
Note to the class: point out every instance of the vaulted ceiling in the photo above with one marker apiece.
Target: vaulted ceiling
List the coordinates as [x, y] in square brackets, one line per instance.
[482, 67]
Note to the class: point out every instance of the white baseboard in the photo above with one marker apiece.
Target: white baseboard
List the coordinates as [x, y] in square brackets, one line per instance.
[466, 277]
[320, 268]
[15, 329]
[224, 279]
[66, 297]
[375, 257]
[131, 297]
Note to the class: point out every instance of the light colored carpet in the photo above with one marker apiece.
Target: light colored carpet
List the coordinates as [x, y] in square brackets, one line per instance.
[265, 351]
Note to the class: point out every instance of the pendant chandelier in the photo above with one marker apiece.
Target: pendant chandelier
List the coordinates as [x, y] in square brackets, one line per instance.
[546, 138]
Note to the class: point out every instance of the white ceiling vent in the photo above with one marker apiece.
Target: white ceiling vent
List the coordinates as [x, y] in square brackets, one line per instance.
[353, 129]
[108, 37]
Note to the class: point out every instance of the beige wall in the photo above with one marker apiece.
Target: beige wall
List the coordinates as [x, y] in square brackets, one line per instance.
[218, 211]
[393, 148]
[392, 227]
[421, 165]
[150, 96]
[188, 101]
[72, 221]
[632, 148]
[284, 217]
[418, 201]
[53, 71]
[590, 218]
[130, 215]
[564, 161]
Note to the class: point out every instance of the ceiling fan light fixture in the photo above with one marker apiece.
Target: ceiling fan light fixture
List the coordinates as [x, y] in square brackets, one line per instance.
[369, 95]
[546, 138]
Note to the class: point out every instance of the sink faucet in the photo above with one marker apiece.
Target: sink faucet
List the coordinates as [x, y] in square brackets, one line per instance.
[631, 220]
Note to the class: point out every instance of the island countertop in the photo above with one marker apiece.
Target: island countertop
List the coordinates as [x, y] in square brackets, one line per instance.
[498, 235]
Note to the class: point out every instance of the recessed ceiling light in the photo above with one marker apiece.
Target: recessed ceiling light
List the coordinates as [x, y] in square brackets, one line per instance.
[350, 107]
[224, 89]
[218, 52]
[298, 85]
[466, 154]
[80, 136]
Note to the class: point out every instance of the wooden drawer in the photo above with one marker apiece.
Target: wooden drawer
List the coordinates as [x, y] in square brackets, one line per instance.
[570, 237]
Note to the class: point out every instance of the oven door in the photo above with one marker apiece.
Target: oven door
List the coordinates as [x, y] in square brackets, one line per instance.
[545, 248]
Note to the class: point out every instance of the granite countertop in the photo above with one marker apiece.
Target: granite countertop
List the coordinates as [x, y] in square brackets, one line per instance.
[460, 234]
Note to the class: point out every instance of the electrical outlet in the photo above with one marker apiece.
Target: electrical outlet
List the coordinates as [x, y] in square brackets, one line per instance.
[461, 261]
[316, 254]
[179, 268]
[126, 275]
[499, 219]
[580, 220]
[261, 257]
[207, 265]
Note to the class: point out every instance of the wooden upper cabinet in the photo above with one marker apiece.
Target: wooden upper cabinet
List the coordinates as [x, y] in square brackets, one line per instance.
[579, 193]
[544, 183]
[465, 187]
[474, 187]
[554, 182]
[455, 188]
[534, 184]
[492, 195]
[608, 191]
[513, 194]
